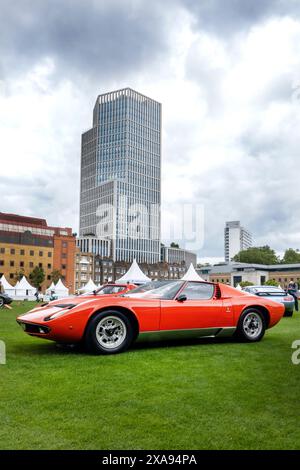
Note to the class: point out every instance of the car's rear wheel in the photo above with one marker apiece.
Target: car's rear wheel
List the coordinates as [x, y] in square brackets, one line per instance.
[251, 326]
[109, 332]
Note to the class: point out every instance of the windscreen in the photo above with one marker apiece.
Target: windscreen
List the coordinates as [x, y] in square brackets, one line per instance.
[110, 289]
[166, 291]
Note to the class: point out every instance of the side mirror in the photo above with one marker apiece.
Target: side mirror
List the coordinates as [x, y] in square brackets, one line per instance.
[181, 298]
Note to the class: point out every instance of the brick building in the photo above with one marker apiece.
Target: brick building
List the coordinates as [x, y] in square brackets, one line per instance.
[27, 242]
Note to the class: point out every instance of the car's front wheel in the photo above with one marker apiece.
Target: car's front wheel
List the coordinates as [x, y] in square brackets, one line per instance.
[251, 326]
[109, 332]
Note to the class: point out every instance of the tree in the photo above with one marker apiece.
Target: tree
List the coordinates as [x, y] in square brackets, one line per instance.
[19, 274]
[37, 276]
[271, 282]
[174, 245]
[55, 276]
[291, 256]
[246, 283]
[257, 255]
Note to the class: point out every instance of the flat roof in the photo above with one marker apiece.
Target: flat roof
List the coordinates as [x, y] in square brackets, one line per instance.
[234, 267]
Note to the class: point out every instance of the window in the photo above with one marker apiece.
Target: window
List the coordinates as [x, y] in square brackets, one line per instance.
[12, 251]
[63, 266]
[31, 264]
[64, 255]
[40, 265]
[158, 290]
[22, 252]
[2, 250]
[11, 263]
[49, 254]
[40, 253]
[198, 291]
[64, 244]
[48, 277]
[31, 253]
[49, 266]
[21, 264]
[11, 276]
[1, 262]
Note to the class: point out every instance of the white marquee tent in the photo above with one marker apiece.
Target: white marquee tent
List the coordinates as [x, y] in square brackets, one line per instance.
[134, 275]
[89, 287]
[7, 287]
[50, 289]
[61, 290]
[192, 275]
[24, 289]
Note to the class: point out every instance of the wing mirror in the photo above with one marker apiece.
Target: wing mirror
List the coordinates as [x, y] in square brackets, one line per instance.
[181, 298]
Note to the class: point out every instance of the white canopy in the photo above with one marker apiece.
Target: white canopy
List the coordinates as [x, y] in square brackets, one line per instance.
[7, 287]
[134, 275]
[61, 288]
[50, 288]
[238, 287]
[89, 287]
[23, 288]
[192, 275]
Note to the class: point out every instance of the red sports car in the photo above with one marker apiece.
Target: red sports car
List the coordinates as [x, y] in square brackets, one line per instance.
[110, 324]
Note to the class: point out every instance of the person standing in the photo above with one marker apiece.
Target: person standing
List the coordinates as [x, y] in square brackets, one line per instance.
[293, 291]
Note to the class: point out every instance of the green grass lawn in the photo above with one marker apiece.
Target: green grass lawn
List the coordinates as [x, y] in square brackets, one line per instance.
[194, 395]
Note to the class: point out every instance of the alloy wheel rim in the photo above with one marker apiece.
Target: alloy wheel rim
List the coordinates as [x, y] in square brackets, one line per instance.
[252, 325]
[111, 332]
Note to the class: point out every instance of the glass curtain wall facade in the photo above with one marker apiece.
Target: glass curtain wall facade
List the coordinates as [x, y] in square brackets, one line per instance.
[121, 175]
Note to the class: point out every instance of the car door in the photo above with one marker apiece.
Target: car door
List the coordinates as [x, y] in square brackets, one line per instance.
[202, 309]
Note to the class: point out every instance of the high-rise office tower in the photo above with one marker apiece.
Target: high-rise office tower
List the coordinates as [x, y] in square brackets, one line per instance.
[120, 175]
[236, 239]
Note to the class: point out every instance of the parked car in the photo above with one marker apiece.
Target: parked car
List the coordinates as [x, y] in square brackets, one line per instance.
[110, 324]
[110, 289]
[5, 299]
[276, 294]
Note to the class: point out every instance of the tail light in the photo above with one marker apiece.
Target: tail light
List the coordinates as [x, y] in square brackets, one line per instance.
[288, 298]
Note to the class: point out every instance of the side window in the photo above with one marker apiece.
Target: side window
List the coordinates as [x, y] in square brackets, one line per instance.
[198, 291]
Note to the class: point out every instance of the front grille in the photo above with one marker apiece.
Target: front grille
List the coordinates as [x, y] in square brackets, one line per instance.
[34, 329]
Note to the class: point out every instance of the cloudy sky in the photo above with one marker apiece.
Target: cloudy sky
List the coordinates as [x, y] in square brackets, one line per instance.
[226, 71]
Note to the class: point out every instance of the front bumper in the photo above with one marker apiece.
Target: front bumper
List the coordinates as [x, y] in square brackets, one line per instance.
[34, 329]
[289, 306]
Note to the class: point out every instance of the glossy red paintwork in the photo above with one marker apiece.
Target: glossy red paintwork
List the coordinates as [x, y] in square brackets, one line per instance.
[223, 310]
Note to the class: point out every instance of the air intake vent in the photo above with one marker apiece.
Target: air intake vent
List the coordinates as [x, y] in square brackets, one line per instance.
[218, 292]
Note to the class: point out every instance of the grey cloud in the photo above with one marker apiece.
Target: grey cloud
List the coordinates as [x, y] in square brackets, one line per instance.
[227, 17]
[261, 190]
[86, 38]
[105, 41]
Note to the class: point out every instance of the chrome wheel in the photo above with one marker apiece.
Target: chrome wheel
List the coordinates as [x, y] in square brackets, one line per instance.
[111, 332]
[252, 325]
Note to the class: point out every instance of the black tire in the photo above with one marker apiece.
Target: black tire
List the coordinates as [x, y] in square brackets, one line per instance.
[99, 339]
[288, 313]
[1, 302]
[244, 326]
